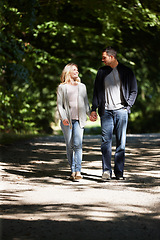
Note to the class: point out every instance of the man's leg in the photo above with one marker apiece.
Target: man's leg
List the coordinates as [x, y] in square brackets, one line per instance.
[106, 146]
[120, 122]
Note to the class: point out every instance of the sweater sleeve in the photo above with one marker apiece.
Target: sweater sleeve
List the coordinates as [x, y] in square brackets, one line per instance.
[60, 103]
[87, 103]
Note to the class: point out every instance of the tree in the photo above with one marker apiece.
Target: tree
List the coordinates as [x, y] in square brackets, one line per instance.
[39, 37]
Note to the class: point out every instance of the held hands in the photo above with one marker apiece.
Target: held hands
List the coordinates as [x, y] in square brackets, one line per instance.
[93, 116]
[65, 122]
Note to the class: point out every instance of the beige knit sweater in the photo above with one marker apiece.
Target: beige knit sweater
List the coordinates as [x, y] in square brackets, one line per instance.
[63, 104]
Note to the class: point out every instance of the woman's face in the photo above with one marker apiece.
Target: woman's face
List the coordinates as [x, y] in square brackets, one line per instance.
[74, 72]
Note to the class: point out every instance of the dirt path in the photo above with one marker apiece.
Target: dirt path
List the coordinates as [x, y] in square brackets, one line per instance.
[38, 201]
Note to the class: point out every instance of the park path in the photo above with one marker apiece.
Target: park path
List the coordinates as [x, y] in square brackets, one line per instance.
[38, 201]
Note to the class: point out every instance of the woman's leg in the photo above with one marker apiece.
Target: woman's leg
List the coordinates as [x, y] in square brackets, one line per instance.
[67, 132]
[77, 145]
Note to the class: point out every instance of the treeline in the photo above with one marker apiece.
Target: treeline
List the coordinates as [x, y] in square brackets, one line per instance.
[39, 37]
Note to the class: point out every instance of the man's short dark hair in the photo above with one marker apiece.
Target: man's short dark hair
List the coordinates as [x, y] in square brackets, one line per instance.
[111, 51]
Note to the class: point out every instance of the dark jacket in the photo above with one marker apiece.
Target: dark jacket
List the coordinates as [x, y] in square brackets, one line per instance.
[129, 87]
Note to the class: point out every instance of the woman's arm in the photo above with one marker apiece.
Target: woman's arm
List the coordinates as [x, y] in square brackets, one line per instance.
[60, 103]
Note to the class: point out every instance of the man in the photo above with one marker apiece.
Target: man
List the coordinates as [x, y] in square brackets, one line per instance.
[115, 91]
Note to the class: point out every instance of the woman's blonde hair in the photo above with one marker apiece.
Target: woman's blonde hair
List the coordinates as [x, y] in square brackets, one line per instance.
[65, 76]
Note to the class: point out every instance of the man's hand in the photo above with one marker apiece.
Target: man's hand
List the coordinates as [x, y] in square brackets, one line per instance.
[65, 122]
[93, 116]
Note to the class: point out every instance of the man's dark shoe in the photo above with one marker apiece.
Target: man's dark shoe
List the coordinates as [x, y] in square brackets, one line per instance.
[120, 178]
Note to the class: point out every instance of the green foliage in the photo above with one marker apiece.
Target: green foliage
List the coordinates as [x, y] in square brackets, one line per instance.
[39, 37]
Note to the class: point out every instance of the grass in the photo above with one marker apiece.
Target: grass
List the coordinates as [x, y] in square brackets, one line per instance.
[10, 138]
[91, 128]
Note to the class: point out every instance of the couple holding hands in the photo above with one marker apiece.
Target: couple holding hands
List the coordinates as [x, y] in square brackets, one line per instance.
[115, 91]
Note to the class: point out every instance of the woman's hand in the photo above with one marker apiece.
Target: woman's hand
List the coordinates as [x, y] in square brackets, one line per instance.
[93, 116]
[65, 122]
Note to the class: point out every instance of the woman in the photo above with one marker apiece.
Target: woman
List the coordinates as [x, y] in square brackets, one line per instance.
[72, 104]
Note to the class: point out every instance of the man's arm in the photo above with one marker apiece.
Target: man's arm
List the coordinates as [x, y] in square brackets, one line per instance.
[132, 91]
[93, 116]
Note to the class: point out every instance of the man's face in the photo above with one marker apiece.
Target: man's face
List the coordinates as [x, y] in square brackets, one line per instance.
[107, 59]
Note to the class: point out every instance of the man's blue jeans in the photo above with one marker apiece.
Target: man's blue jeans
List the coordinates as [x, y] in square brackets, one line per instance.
[114, 120]
[73, 139]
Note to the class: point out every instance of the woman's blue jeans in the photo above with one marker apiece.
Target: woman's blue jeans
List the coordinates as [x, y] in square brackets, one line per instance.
[114, 120]
[73, 139]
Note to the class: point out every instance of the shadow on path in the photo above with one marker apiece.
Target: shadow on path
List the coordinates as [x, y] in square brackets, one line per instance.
[120, 229]
[39, 167]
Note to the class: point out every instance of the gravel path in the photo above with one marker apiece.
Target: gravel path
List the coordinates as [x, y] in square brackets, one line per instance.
[38, 201]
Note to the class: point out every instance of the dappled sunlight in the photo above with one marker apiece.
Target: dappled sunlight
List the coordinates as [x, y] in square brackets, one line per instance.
[101, 211]
[37, 190]
[47, 158]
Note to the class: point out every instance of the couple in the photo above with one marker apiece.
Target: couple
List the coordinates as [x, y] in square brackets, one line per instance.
[115, 91]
